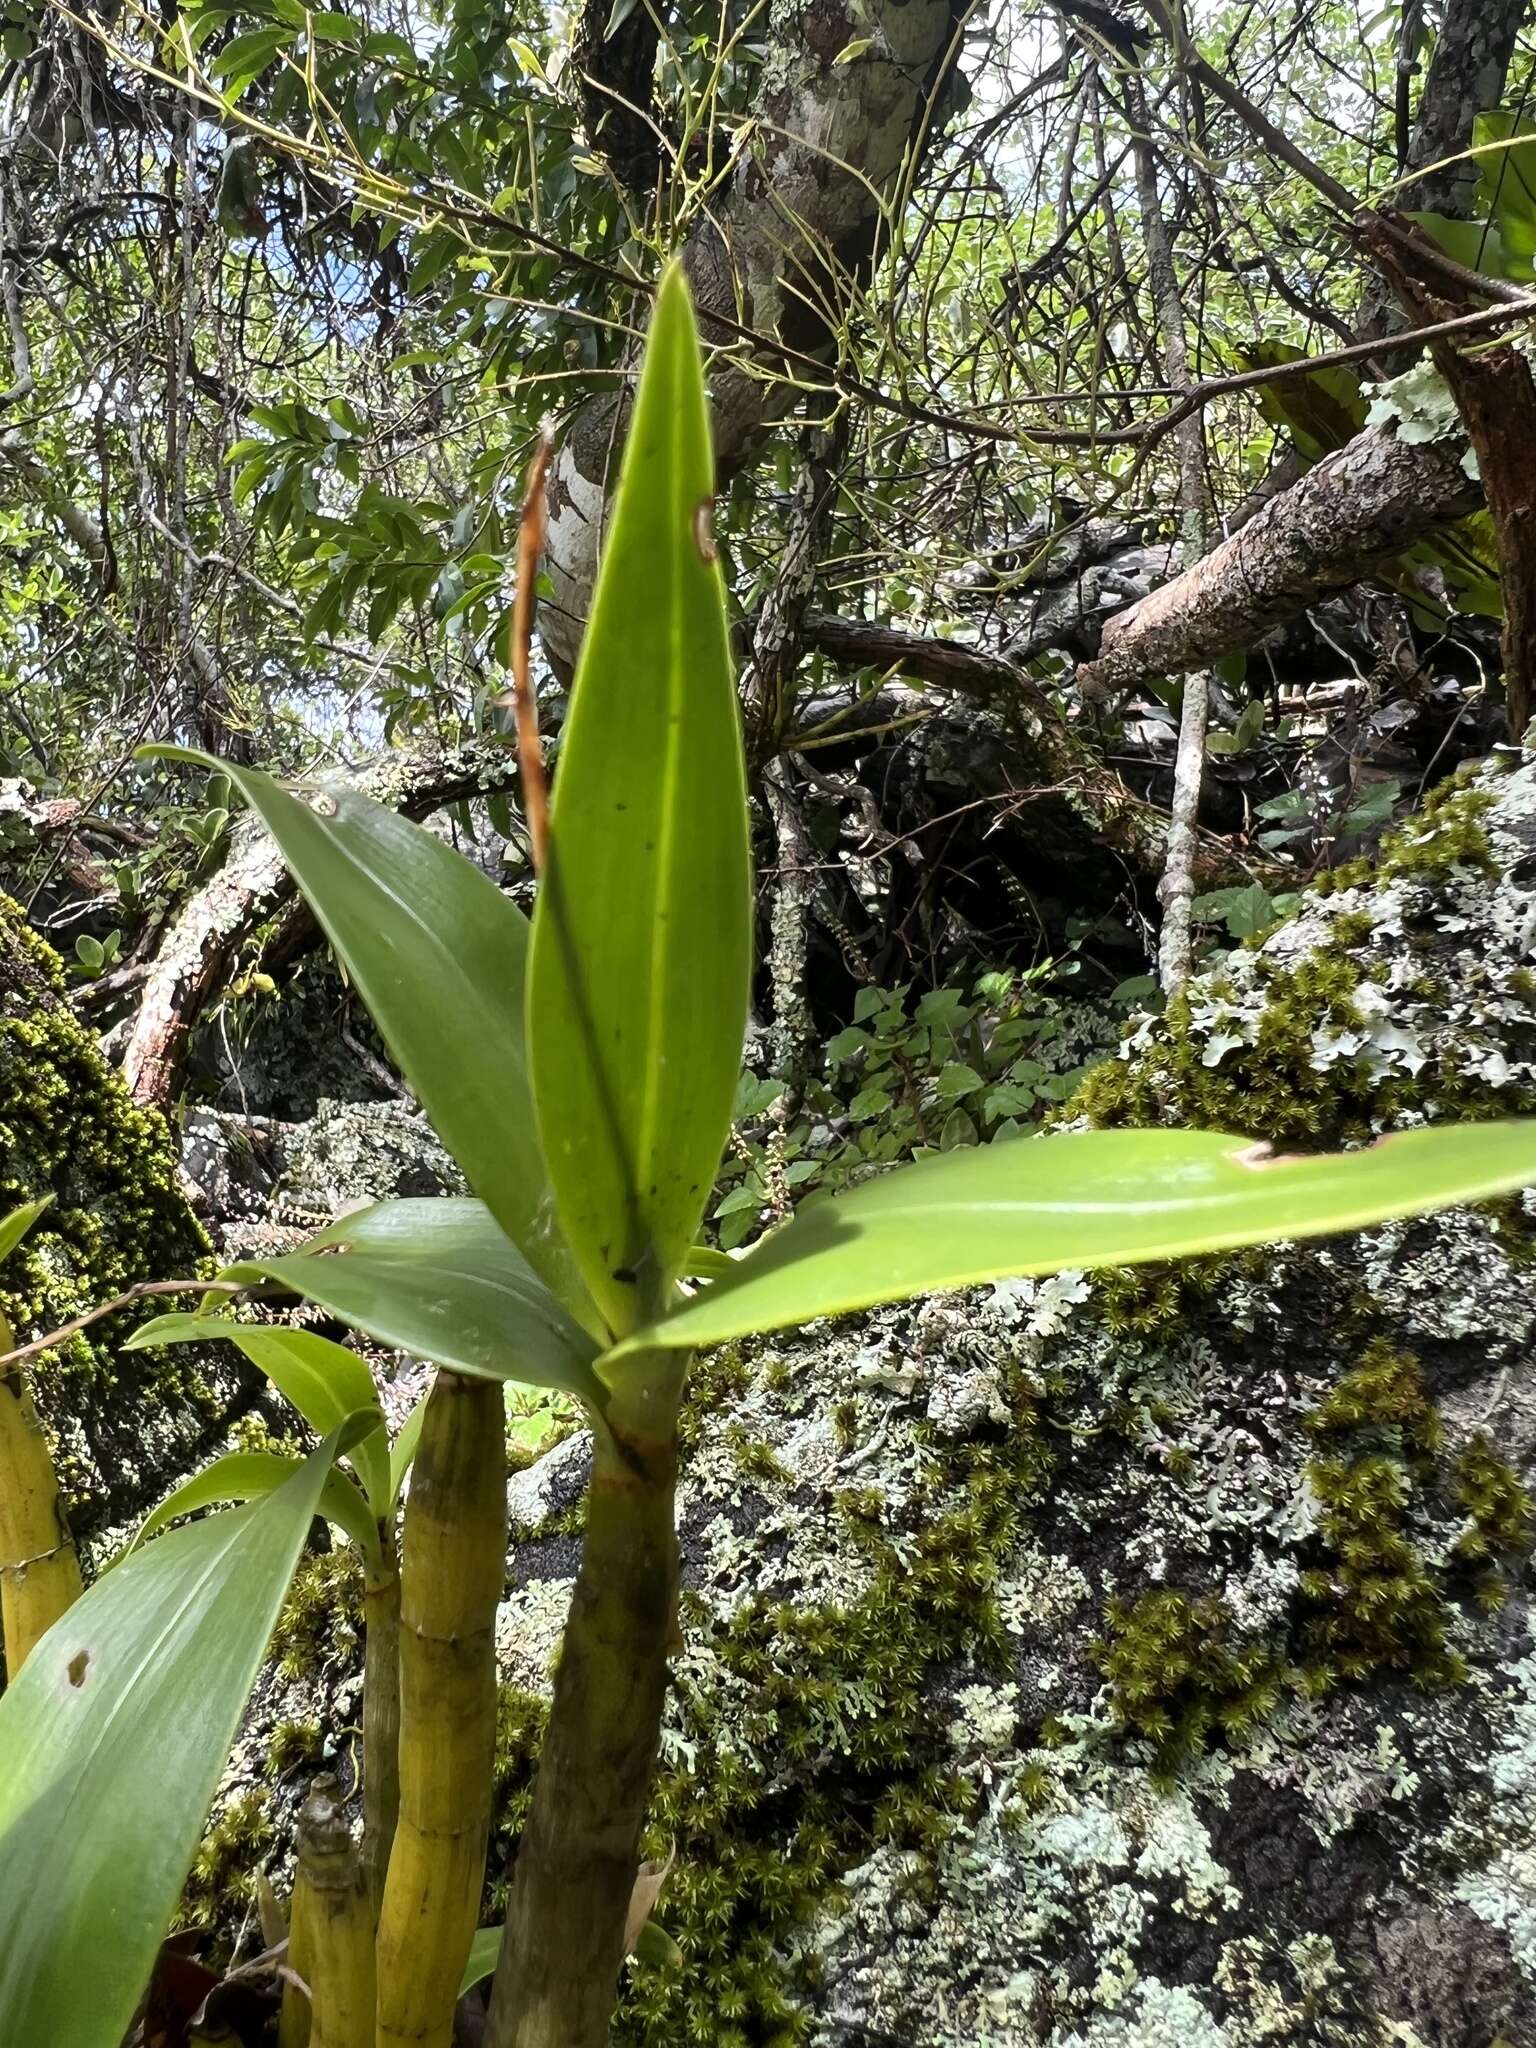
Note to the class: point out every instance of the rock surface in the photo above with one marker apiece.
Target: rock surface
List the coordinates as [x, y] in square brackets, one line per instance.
[1147, 1658]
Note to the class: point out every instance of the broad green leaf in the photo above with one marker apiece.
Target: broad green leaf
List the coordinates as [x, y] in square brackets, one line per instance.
[438, 954]
[1507, 184]
[437, 1278]
[324, 1381]
[248, 1475]
[1320, 409]
[637, 996]
[402, 1452]
[1085, 1199]
[14, 1227]
[114, 1737]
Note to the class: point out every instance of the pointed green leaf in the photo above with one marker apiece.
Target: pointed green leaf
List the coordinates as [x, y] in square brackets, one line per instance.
[14, 1227]
[249, 1475]
[114, 1737]
[438, 954]
[402, 1453]
[438, 1279]
[1084, 1199]
[324, 1381]
[638, 975]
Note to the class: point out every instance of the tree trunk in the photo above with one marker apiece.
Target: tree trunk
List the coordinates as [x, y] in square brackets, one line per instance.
[799, 217]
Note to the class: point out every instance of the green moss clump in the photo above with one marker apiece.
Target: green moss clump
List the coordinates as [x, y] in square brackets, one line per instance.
[1179, 1674]
[222, 1880]
[293, 1745]
[69, 1128]
[1497, 1505]
[321, 1619]
[1385, 1390]
[1373, 1604]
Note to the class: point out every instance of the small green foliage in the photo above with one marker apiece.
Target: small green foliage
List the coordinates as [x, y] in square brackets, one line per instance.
[753, 1460]
[1179, 1673]
[1385, 1390]
[320, 1621]
[1497, 1505]
[222, 1881]
[293, 1745]
[911, 1074]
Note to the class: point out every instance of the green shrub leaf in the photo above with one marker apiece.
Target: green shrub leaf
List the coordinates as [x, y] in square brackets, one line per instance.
[1085, 1199]
[15, 1225]
[250, 1475]
[114, 1737]
[324, 1381]
[438, 954]
[638, 977]
[437, 1278]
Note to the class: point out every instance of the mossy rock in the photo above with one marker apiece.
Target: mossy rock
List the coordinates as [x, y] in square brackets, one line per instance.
[1145, 1659]
[126, 1423]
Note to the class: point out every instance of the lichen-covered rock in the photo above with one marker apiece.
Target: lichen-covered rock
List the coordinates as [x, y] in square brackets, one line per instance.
[354, 1151]
[126, 1423]
[1146, 1657]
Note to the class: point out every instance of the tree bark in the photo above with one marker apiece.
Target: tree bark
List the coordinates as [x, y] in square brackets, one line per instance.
[799, 217]
[253, 886]
[1473, 51]
[1354, 510]
[1496, 398]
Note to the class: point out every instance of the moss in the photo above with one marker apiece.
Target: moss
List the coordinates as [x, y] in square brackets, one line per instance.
[69, 1128]
[1276, 1086]
[1385, 1389]
[1498, 1507]
[320, 1621]
[222, 1880]
[1178, 1673]
[754, 1461]
[845, 1695]
[293, 1745]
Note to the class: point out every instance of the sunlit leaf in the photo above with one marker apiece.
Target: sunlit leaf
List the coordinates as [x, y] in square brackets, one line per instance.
[15, 1225]
[249, 1475]
[324, 1381]
[114, 1737]
[438, 1279]
[1085, 1199]
[438, 954]
[402, 1452]
[638, 976]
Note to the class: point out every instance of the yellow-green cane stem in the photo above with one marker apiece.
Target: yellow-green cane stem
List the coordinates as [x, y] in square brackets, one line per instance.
[330, 1934]
[452, 1571]
[381, 1717]
[39, 1567]
[579, 1855]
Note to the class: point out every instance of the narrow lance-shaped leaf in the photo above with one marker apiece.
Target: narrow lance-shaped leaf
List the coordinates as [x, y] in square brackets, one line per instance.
[438, 954]
[114, 1737]
[14, 1227]
[1084, 1199]
[324, 1381]
[250, 1475]
[438, 1279]
[638, 978]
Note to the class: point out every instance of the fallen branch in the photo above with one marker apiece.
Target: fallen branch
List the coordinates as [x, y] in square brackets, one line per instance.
[1353, 511]
[252, 886]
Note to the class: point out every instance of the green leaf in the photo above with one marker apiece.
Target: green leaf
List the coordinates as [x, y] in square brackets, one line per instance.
[114, 1737]
[438, 1279]
[402, 1453]
[438, 954]
[14, 1227]
[1084, 1199]
[249, 1475]
[1320, 409]
[324, 1381]
[637, 998]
